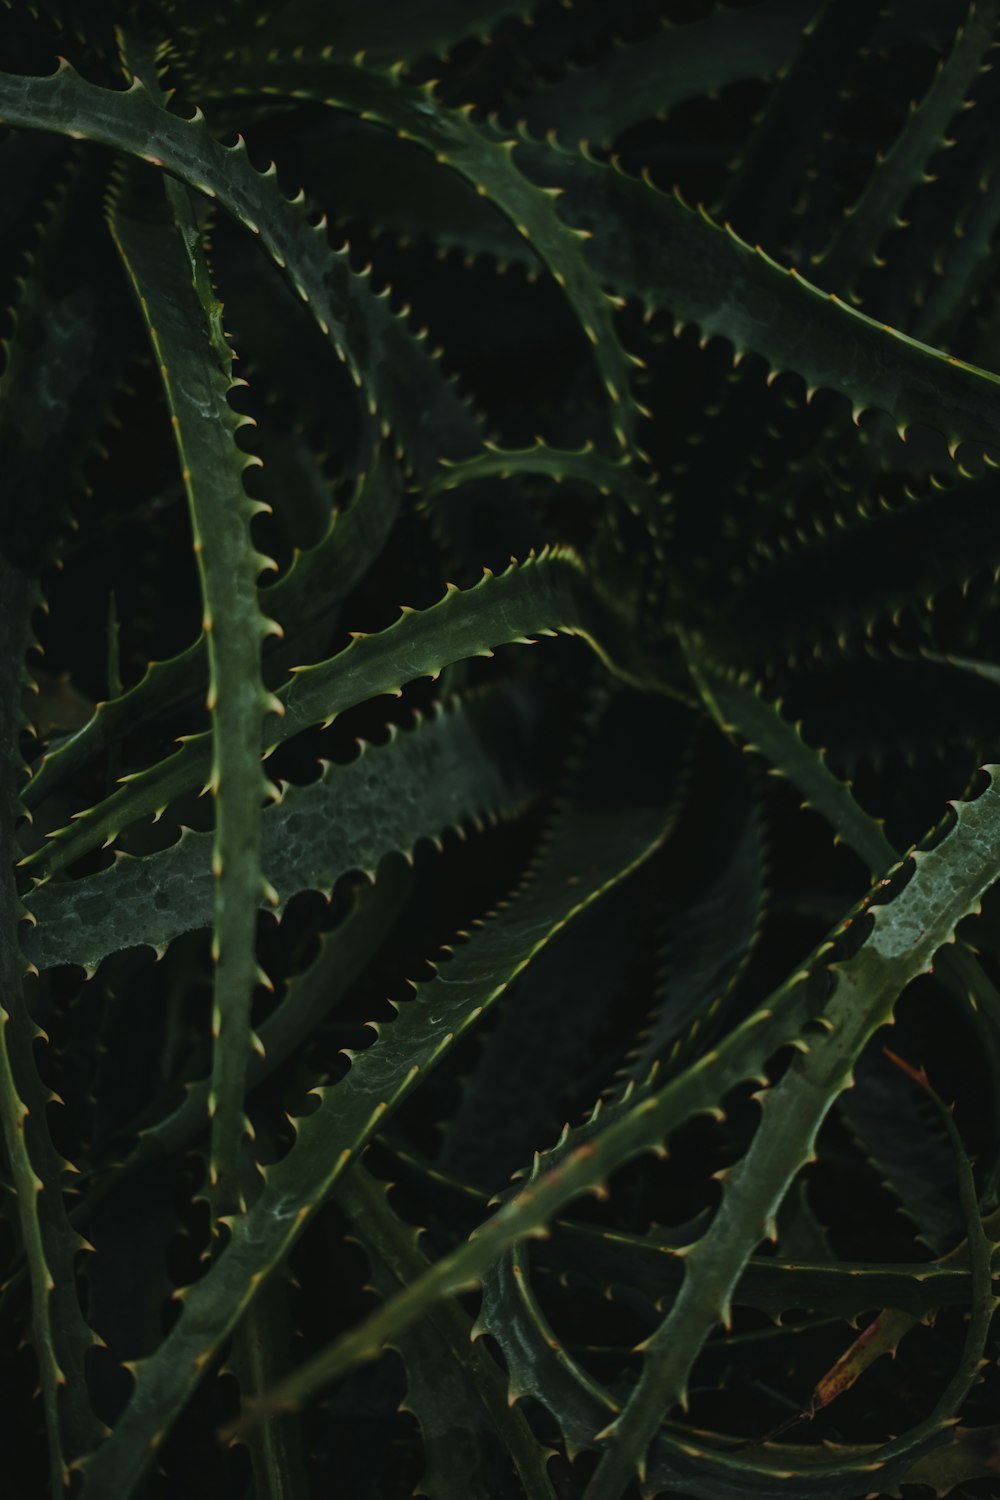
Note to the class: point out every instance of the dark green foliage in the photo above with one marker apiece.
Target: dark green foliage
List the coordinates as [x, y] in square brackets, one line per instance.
[429, 1066]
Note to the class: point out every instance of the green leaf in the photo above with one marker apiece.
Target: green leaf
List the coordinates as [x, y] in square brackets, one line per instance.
[578, 1165]
[967, 266]
[970, 1453]
[759, 723]
[653, 1263]
[309, 998]
[63, 363]
[649, 245]
[260, 1356]
[398, 32]
[947, 884]
[546, 595]
[344, 954]
[339, 560]
[903, 167]
[59, 1333]
[487, 159]
[597, 842]
[541, 1366]
[455, 1388]
[882, 1336]
[629, 84]
[607, 476]
[913, 1155]
[169, 272]
[395, 186]
[768, 180]
[710, 937]
[910, 554]
[447, 772]
[515, 1096]
[262, 1353]
[381, 355]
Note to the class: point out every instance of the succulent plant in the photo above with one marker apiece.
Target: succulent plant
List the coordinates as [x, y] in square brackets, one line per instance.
[429, 1065]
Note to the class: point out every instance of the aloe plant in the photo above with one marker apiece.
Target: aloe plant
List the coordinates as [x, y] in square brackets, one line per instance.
[427, 1065]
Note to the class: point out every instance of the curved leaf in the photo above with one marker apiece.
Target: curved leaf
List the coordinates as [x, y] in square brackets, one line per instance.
[382, 355]
[596, 843]
[861, 230]
[340, 559]
[445, 773]
[456, 1390]
[169, 273]
[488, 161]
[633, 83]
[547, 594]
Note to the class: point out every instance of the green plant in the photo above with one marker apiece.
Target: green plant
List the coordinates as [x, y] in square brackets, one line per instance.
[252, 972]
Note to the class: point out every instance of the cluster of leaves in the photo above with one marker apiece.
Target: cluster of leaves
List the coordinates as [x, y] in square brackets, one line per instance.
[429, 1065]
